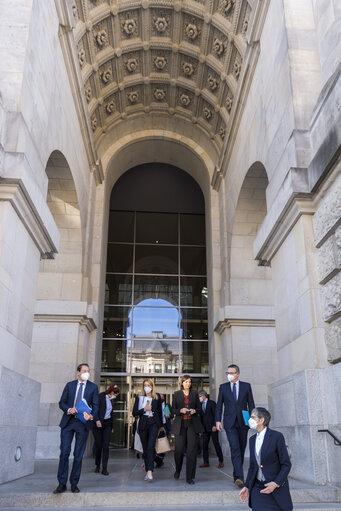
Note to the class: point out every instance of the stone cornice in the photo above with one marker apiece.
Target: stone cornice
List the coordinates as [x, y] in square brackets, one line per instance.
[229, 323]
[67, 318]
[298, 204]
[14, 191]
[243, 315]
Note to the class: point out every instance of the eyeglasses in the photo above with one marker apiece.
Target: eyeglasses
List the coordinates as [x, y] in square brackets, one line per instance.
[233, 374]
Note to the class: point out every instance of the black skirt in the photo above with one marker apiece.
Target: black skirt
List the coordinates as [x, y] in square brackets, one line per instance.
[263, 501]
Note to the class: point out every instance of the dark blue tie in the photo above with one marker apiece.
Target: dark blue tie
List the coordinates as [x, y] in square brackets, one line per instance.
[79, 394]
[235, 391]
[204, 406]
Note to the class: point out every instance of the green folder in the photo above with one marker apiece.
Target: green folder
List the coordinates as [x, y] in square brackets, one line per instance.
[166, 410]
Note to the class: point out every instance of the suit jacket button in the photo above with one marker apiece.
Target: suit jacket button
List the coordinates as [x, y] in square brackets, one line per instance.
[261, 466]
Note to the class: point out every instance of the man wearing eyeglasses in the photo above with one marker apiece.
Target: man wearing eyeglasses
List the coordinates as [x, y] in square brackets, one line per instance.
[236, 396]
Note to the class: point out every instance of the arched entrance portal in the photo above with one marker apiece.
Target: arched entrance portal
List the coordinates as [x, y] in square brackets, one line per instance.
[155, 313]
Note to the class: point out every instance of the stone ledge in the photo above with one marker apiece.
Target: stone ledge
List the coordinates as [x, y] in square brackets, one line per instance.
[63, 311]
[244, 315]
[46, 239]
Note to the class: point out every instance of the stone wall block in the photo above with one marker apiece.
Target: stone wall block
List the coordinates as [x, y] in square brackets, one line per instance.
[315, 395]
[301, 398]
[332, 298]
[327, 261]
[328, 214]
[333, 341]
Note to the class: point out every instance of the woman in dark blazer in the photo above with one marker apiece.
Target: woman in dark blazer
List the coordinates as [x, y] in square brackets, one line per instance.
[266, 485]
[147, 408]
[186, 428]
[103, 427]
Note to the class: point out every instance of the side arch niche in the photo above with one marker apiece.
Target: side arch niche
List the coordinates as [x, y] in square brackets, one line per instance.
[61, 326]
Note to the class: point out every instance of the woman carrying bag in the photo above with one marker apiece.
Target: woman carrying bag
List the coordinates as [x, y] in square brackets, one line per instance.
[186, 428]
[148, 408]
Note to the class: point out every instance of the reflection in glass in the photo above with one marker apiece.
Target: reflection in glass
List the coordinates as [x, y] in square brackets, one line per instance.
[120, 258]
[193, 291]
[154, 318]
[192, 229]
[151, 286]
[116, 322]
[195, 357]
[157, 355]
[192, 261]
[114, 355]
[156, 259]
[118, 289]
[156, 228]
[194, 324]
[121, 226]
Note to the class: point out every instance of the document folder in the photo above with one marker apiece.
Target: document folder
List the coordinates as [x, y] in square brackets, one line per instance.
[246, 417]
[82, 407]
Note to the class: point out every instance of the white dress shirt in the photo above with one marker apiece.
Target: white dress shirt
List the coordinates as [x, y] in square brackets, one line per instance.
[108, 408]
[237, 387]
[259, 440]
[83, 390]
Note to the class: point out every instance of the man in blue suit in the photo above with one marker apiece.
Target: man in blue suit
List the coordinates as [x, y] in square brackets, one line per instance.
[73, 393]
[236, 396]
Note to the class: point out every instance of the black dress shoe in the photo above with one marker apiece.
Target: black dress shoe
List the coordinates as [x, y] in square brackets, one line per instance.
[176, 475]
[190, 481]
[74, 488]
[61, 488]
[97, 469]
[105, 472]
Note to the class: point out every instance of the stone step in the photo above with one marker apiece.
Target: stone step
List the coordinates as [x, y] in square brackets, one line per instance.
[318, 496]
[332, 506]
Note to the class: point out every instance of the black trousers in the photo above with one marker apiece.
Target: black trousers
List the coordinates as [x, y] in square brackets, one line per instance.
[148, 439]
[207, 435]
[237, 438]
[78, 429]
[102, 440]
[187, 438]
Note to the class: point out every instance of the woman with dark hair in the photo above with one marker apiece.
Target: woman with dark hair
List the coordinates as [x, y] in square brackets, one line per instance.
[103, 427]
[147, 408]
[266, 486]
[186, 427]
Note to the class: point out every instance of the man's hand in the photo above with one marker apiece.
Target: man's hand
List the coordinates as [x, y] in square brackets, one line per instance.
[219, 426]
[269, 487]
[72, 411]
[87, 416]
[98, 424]
[193, 411]
[244, 494]
[214, 429]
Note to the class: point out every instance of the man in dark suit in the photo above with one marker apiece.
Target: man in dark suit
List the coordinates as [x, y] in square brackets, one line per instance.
[208, 408]
[236, 396]
[71, 426]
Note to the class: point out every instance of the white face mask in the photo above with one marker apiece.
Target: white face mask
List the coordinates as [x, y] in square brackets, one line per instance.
[147, 390]
[252, 423]
[201, 399]
[230, 377]
[85, 376]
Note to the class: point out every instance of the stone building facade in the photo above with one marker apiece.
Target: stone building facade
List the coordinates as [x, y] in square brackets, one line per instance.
[244, 96]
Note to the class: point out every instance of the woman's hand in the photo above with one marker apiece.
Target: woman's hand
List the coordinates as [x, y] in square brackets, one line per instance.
[148, 407]
[98, 424]
[244, 494]
[193, 411]
[269, 487]
[183, 410]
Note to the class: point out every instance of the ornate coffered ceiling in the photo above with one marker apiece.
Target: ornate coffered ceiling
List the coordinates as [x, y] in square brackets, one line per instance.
[178, 58]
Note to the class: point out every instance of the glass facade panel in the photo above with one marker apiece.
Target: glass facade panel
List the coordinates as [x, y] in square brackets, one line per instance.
[192, 230]
[192, 261]
[156, 228]
[195, 357]
[193, 291]
[156, 322]
[194, 323]
[155, 355]
[121, 226]
[118, 289]
[117, 322]
[120, 258]
[114, 355]
[156, 287]
[156, 259]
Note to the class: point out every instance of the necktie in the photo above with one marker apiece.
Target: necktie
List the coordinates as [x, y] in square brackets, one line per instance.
[79, 394]
[205, 407]
[235, 391]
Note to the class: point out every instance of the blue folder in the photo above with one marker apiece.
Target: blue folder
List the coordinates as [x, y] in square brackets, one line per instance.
[246, 417]
[82, 407]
